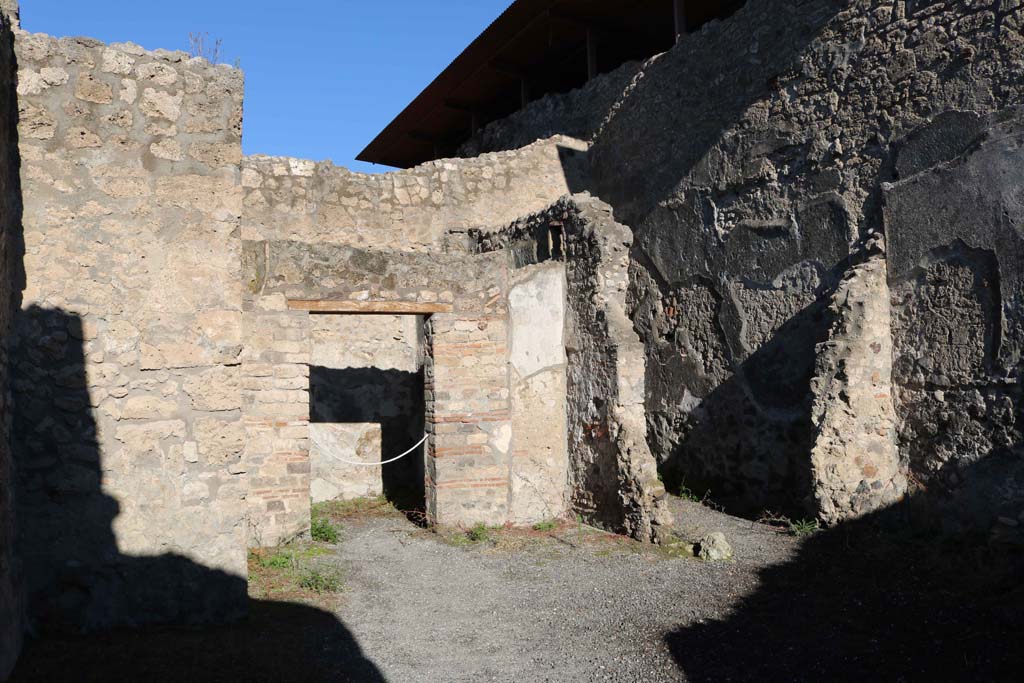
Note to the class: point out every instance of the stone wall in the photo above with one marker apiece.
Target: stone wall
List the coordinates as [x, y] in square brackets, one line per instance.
[954, 217]
[612, 475]
[746, 335]
[467, 395]
[746, 175]
[11, 282]
[579, 114]
[413, 210]
[127, 428]
[537, 376]
[855, 462]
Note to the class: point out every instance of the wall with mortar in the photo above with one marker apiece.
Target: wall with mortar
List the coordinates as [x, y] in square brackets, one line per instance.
[579, 114]
[955, 219]
[855, 462]
[366, 405]
[469, 417]
[747, 175]
[469, 460]
[412, 210]
[11, 282]
[537, 377]
[125, 356]
[612, 475]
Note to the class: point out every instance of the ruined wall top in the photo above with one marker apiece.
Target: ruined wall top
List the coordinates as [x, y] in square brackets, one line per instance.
[579, 113]
[10, 9]
[410, 210]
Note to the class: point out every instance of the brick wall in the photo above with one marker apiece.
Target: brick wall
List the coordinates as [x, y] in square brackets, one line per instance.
[468, 415]
[469, 424]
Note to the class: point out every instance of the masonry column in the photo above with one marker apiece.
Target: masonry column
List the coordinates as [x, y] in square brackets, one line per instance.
[855, 461]
[468, 416]
[275, 406]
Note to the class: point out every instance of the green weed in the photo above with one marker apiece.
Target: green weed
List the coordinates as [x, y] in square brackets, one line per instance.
[479, 533]
[323, 531]
[803, 527]
[277, 561]
[320, 580]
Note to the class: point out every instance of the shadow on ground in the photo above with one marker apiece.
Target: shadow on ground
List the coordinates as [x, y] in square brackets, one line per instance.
[888, 597]
[278, 642]
[76, 580]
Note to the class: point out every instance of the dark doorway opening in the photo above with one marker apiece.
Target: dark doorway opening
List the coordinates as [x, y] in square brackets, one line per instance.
[394, 400]
[371, 413]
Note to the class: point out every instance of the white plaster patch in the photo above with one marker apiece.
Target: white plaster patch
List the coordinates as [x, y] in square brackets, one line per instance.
[331, 445]
[537, 309]
[502, 439]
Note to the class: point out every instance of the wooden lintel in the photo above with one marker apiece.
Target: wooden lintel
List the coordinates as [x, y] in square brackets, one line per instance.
[368, 307]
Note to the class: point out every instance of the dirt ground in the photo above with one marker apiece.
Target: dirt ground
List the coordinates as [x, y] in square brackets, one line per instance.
[571, 603]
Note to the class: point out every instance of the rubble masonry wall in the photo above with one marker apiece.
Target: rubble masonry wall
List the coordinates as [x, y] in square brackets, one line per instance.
[127, 419]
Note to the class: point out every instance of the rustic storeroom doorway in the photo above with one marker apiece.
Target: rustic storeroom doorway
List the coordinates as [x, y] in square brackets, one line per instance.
[367, 408]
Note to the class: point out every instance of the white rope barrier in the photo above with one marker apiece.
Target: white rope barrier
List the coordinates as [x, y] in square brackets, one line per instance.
[385, 462]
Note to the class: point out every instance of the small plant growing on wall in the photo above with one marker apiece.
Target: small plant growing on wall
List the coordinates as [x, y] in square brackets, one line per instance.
[200, 45]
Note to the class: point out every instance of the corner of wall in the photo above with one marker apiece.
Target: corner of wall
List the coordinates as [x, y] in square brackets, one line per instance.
[10, 9]
[11, 603]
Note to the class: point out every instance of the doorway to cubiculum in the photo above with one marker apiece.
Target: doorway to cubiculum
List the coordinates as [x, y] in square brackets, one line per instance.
[367, 408]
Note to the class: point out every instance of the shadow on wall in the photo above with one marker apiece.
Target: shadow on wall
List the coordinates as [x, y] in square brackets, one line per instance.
[395, 400]
[886, 597]
[728, 398]
[747, 444]
[668, 130]
[74, 576]
[12, 283]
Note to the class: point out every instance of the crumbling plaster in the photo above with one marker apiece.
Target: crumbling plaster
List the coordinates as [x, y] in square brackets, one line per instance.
[759, 171]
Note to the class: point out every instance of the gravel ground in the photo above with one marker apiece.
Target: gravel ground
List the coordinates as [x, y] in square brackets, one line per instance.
[871, 600]
[573, 606]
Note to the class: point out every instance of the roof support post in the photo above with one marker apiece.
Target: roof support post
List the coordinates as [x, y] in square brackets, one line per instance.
[591, 54]
[679, 7]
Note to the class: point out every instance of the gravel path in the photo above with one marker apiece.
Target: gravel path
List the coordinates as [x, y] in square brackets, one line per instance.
[871, 600]
[573, 606]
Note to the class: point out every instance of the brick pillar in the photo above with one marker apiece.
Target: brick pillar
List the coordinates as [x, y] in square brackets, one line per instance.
[275, 395]
[468, 419]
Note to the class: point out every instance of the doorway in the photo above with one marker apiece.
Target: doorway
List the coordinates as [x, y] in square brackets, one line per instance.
[367, 406]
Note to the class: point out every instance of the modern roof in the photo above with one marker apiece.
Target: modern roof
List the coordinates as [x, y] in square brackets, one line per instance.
[534, 48]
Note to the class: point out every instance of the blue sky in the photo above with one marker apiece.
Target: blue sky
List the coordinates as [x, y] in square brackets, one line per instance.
[323, 77]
